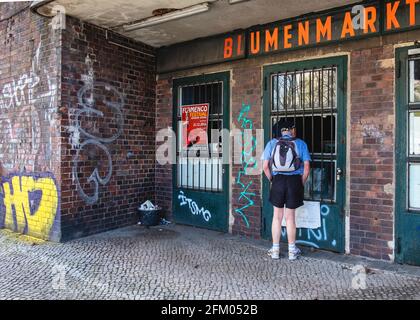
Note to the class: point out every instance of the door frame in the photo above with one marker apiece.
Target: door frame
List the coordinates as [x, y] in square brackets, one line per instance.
[403, 214]
[342, 70]
[224, 77]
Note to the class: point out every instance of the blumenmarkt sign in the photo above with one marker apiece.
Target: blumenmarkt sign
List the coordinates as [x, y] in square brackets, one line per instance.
[362, 20]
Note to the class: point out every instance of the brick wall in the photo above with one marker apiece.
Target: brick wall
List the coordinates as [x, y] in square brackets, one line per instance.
[108, 126]
[29, 134]
[246, 113]
[163, 185]
[372, 152]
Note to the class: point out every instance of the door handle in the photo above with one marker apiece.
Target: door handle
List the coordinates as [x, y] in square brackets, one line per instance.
[339, 173]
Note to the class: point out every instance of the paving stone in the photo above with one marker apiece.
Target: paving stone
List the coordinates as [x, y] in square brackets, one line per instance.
[178, 262]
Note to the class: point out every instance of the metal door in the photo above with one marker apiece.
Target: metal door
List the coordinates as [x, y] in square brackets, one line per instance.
[312, 94]
[201, 177]
[407, 195]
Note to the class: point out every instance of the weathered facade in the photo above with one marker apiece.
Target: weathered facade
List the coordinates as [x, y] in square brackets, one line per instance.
[102, 99]
[77, 126]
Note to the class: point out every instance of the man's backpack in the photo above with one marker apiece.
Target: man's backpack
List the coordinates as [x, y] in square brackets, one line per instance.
[285, 157]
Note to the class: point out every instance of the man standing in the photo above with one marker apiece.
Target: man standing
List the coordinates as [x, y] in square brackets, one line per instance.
[287, 166]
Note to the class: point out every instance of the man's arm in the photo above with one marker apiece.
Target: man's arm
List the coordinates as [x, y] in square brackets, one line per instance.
[266, 168]
[306, 171]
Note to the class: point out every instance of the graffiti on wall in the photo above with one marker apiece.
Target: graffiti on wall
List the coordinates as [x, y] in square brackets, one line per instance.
[29, 203]
[27, 105]
[248, 161]
[86, 135]
[192, 205]
[312, 237]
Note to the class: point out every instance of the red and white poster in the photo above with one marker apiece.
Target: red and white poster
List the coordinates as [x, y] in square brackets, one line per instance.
[195, 119]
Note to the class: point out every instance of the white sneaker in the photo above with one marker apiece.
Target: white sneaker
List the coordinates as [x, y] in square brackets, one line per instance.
[275, 254]
[293, 255]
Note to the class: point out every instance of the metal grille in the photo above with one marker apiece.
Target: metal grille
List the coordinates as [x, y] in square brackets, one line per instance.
[309, 98]
[198, 170]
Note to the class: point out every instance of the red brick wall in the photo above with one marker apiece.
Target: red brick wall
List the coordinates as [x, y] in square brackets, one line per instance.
[29, 134]
[163, 185]
[107, 157]
[246, 91]
[372, 152]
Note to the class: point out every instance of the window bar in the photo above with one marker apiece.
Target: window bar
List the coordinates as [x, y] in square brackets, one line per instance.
[334, 107]
[220, 104]
[272, 104]
[294, 94]
[200, 154]
[196, 153]
[312, 102]
[321, 103]
[302, 91]
[210, 149]
[277, 103]
[329, 100]
[208, 137]
[285, 93]
[199, 151]
[179, 123]
[208, 132]
[188, 149]
[302, 105]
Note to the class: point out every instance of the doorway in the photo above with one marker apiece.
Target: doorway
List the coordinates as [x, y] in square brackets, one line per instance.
[407, 195]
[313, 95]
[200, 177]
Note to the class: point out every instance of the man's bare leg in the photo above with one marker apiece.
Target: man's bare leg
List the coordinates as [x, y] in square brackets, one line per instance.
[276, 231]
[291, 233]
[291, 225]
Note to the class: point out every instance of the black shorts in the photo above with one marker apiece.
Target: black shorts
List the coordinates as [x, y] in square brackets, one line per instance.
[287, 190]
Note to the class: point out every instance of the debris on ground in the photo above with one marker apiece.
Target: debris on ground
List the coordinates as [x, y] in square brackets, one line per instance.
[149, 206]
[163, 221]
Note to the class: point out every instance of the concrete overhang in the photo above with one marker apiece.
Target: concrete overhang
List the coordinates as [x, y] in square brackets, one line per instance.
[221, 17]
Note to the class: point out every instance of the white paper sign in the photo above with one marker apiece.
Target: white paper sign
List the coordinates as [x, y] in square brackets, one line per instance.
[308, 216]
[415, 186]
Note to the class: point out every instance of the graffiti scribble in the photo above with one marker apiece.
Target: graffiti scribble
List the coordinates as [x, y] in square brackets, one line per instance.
[87, 101]
[248, 161]
[34, 94]
[194, 207]
[29, 203]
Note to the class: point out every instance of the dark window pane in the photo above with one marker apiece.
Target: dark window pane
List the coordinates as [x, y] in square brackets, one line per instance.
[415, 81]
[319, 185]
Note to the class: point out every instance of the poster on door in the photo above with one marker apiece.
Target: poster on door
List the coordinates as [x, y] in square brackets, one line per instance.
[195, 119]
[308, 216]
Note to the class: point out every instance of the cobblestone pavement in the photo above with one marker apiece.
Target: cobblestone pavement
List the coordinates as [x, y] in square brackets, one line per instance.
[179, 262]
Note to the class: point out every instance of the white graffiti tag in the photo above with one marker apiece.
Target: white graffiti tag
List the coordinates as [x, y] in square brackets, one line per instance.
[112, 102]
[34, 94]
[194, 207]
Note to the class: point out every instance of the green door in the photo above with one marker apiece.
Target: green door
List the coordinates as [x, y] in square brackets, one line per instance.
[407, 195]
[201, 175]
[312, 94]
